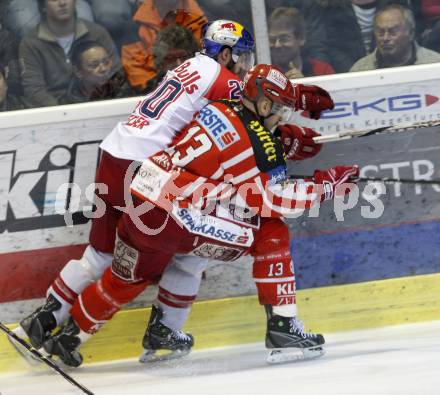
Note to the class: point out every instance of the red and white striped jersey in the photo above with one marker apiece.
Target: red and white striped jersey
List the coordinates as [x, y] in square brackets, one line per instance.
[225, 145]
[161, 114]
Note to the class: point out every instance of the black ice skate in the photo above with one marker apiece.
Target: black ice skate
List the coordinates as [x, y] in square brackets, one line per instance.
[39, 325]
[163, 343]
[287, 341]
[65, 344]
[36, 328]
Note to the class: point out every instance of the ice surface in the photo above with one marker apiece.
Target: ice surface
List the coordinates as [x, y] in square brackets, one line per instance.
[394, 360]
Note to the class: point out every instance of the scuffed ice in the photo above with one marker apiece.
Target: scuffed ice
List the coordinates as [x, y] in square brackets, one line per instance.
[400, 360]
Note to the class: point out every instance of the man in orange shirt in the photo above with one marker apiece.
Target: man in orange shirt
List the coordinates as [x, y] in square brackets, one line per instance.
[154, 15]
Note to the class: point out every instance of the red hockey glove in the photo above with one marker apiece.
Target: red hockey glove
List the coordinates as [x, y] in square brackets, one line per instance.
[313, 99]
[298, 142]
[333, 177]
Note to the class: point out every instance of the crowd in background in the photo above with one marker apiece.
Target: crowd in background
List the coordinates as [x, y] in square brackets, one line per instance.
[71, 51]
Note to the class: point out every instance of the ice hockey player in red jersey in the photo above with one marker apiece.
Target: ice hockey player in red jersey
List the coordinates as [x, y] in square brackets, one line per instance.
[211, 75]
[221, 191]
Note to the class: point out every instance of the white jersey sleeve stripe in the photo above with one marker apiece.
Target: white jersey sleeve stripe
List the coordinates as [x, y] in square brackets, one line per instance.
[218, 173]
[238, 158]
[193, 186]
[246, 175]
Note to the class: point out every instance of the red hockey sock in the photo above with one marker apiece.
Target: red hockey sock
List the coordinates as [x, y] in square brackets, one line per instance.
[101, 300]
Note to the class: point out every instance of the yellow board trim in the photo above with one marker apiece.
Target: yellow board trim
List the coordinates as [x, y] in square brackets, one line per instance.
[239, 320]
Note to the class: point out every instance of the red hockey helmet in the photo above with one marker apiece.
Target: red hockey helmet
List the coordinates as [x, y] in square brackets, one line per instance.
[269, 81]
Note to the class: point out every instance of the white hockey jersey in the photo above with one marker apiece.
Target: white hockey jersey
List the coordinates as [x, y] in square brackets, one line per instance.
[161, 114]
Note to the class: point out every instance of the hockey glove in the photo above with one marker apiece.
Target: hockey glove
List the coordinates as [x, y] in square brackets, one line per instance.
[298, 142]
[334, 177]
[313, 99]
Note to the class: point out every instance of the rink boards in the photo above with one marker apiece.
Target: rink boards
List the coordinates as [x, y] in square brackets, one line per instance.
[218, 323]
[337, 262]
[35, 243]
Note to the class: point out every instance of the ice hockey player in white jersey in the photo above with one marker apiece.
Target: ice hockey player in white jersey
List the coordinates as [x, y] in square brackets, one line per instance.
[214, 74]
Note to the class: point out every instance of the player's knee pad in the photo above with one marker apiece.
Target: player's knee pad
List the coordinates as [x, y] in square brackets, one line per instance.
[78, 274]
[274, 277]
[75, 277]
[97, 261]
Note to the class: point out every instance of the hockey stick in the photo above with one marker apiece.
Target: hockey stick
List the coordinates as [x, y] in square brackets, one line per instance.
[44, 359]
[394, 180]
[384, 179]
[364, 133]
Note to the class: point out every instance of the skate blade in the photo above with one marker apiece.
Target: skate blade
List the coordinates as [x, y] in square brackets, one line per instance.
[285, 355]
[24, 352]
[151, 356]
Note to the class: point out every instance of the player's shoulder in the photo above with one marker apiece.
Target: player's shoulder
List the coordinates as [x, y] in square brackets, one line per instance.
[221, 121]
[203, 76]
[225, 112]
[196, 74]
[212, 70]
[204, 65]
[224, 85]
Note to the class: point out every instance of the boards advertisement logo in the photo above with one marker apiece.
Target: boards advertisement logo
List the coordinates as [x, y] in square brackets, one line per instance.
[381, 105]
[30, 199]
[359, 109]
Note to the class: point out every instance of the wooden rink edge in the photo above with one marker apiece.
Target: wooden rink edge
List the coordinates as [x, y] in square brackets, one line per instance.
[240, 320]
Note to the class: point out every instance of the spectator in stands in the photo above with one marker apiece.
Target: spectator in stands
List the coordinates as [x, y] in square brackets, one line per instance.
[315, 24]
[9, 60]
[8, 101]
[94, 78]
[394, 30]
[430, 10]
[239, 11]
[174, 44]
[23, 15]
[116, 16]
[349, 28]
[154, 15]
[46, 51]
[287, 39]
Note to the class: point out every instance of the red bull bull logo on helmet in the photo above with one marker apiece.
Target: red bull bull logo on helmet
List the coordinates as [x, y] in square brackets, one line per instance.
[229, 26]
